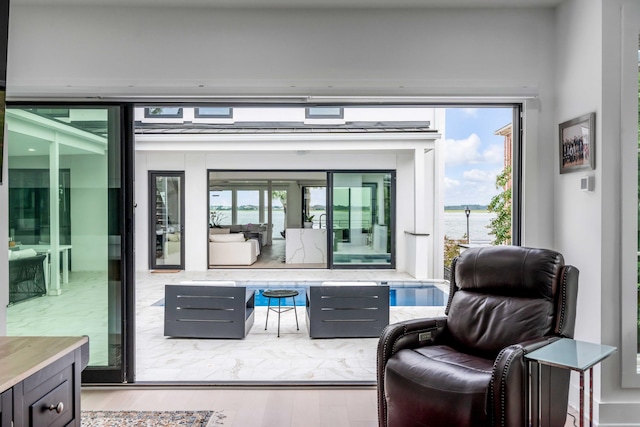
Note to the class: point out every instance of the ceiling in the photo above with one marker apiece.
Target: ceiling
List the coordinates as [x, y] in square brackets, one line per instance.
[395, 4]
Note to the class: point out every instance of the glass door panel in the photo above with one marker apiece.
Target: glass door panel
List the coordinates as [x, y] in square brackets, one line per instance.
[167, 213]
[361, 216]
[315, 206]
[66, 216]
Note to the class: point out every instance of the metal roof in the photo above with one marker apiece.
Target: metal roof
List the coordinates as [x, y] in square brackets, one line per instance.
[281, 127]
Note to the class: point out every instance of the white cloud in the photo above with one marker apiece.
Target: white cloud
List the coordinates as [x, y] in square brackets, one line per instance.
[462, 151]
[471, 112]
[450, 184]
[479, 176]
[494, 154]
[469, 151]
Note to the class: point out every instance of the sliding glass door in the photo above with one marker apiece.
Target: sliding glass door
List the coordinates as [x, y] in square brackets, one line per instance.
[67, 204]
[362, 215]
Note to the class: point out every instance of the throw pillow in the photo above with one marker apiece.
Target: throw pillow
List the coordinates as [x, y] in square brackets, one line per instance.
[233, 237]
[215, 230]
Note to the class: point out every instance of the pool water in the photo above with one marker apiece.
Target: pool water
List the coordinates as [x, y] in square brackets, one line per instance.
[423, 294]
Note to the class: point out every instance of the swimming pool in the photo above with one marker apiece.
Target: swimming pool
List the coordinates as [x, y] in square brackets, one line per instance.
[423, 294]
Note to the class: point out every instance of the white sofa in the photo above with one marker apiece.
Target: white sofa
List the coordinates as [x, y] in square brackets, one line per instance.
[232, 249]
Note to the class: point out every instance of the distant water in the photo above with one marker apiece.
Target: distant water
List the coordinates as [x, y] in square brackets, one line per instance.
[455, 224]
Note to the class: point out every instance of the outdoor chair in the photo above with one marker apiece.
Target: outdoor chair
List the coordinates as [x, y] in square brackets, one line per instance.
[208, 309]
[27, 277]
[347, 310]
[468, 368]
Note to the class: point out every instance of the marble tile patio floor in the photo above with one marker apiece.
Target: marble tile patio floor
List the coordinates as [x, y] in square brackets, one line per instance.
[262, 356]
[82, 309]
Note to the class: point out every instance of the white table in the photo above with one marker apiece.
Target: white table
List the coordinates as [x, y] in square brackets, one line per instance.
[46, 250]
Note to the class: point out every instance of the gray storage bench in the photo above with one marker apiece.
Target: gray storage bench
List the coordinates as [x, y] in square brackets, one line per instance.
[208, 309]
[347, 310]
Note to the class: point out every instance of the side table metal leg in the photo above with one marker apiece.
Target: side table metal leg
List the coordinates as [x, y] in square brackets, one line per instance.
[591, 396]
[527, 418]
[581, 399]
[295, 312]
[539, 395]
[279, 311]
[268, 310]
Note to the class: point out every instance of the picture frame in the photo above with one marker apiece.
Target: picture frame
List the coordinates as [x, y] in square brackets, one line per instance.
[577, 144]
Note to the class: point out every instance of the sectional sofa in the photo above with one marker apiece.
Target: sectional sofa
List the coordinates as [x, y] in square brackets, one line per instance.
[227, 248]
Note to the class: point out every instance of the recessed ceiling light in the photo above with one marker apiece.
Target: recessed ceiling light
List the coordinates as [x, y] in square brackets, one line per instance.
[32, 149]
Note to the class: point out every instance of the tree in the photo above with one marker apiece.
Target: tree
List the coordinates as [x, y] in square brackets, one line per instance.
[281, 195]
[500, 204]
[451, 250]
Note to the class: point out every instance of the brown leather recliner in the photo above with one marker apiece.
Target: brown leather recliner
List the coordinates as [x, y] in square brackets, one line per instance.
[468, 368]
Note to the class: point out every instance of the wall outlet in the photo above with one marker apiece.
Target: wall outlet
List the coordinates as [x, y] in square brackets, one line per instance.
[587, 183]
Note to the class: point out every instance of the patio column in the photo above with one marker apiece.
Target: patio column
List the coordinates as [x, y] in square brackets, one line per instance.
[419, 241]
[54, 217]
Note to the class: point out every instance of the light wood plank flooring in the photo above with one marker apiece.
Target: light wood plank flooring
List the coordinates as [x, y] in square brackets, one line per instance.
[264, 407]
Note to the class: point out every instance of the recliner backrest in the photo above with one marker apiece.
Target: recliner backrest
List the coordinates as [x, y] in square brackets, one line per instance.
[502, 295]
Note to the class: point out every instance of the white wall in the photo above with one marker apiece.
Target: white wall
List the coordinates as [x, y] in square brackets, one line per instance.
[587, 224]
[161, 51]
[579, 76]
[195, 166]
[164, 51]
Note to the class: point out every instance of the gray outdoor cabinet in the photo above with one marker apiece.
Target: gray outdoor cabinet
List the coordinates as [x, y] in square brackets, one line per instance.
[208, 310]
[347, 310]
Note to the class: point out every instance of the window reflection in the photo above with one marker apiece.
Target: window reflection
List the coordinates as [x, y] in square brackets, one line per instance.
[64, 212]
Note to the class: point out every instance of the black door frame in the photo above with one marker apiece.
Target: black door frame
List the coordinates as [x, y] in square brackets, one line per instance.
[151, 218]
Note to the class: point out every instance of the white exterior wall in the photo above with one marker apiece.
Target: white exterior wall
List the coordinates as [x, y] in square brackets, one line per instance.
[196, 164]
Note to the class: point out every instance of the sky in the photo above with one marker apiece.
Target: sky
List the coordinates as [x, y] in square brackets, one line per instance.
[473, 154]
[473, 157]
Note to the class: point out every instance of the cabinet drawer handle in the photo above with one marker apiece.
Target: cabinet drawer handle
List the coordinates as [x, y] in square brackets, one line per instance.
[58, 408]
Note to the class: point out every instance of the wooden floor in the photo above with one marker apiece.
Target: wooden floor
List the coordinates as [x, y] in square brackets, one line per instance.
[263, 407]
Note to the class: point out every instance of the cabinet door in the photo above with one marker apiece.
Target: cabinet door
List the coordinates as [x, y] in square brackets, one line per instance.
[6, 408]
[50, 397]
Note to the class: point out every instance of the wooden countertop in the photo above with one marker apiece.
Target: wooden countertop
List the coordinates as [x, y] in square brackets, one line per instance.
[20, 357]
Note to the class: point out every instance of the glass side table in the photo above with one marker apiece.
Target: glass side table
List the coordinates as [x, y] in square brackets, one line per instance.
[571, 354]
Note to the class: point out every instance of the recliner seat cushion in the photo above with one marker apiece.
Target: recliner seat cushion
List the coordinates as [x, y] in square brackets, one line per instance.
[422, 383]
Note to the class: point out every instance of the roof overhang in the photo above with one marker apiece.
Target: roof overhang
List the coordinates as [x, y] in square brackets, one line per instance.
[393, 142]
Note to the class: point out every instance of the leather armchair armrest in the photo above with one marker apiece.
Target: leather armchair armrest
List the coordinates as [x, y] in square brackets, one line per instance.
[509, 379]
[408, 334]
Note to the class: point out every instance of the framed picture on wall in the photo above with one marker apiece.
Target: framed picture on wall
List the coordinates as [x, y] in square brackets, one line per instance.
[577, 144]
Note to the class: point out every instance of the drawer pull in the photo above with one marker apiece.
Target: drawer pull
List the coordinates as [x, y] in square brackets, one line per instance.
[58, 408]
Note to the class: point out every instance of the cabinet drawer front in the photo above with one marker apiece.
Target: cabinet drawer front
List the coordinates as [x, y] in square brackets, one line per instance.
[54, 408]
[6, 408]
